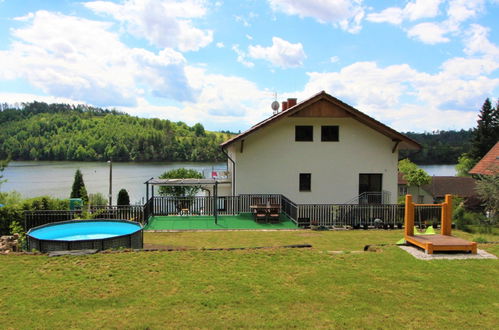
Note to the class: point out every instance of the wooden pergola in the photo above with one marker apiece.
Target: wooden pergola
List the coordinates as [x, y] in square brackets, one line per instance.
[188, 182]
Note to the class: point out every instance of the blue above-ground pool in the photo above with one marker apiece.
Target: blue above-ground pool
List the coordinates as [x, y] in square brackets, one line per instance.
[86, 234]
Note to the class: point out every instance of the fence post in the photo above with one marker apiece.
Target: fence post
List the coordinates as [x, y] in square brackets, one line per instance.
[446, 215]
[409, 216]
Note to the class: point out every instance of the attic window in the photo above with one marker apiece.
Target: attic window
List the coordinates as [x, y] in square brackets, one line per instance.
[304, 133]
[330, 133]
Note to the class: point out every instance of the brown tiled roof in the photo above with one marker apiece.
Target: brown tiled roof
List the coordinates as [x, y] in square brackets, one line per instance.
[455, 185]
[489, 164]
[405, 142]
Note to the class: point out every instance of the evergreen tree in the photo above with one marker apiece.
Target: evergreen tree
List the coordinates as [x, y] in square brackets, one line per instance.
[486, 134]
[123, 198]
[79, 190]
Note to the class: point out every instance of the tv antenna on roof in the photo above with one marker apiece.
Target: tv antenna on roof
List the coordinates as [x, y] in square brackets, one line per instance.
[275, 104]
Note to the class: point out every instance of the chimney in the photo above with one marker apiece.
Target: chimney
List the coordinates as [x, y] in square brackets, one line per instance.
[284, 105]
[291, 102]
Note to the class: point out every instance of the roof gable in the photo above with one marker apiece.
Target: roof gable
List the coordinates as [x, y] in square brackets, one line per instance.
[325, 105]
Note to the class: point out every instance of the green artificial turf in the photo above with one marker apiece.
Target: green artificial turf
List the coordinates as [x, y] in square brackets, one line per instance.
[242, 221]
[269, 288]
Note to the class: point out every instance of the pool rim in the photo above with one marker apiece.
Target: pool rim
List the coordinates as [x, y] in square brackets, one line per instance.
[141, 227]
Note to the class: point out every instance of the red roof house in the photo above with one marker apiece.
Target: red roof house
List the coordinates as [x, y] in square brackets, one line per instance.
[489, 164]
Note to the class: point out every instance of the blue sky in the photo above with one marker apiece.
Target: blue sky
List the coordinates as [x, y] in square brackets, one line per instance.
[418, 65]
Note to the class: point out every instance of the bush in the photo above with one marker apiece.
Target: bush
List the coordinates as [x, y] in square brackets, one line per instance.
[8, 215]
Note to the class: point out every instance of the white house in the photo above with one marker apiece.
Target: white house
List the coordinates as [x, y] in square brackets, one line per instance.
[320, 150]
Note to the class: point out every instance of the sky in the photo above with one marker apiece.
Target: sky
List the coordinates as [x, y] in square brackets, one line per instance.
[418, 65]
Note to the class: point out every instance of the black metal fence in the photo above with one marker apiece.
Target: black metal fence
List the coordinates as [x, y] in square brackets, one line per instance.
[303, 215]
[43, 217]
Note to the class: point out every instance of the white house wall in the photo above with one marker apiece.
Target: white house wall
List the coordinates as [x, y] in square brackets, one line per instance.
[271, 160]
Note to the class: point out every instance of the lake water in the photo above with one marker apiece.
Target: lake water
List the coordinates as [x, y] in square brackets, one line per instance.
[440, 170]
[55, 178]
[36, 178]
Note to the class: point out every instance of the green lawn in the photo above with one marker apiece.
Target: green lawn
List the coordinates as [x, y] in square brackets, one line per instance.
[280, 288]
[241, 221]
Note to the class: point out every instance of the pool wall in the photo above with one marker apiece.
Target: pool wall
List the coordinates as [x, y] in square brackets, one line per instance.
[133, 240]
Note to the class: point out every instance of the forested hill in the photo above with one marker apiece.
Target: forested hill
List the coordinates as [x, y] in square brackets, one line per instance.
[441, 147]
[40, 131]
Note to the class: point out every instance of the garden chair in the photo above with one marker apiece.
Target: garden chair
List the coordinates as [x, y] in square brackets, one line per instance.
[261, 215]
[274, 215]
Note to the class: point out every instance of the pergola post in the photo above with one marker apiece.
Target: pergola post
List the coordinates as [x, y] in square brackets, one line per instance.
[215, 200]
[152, 198]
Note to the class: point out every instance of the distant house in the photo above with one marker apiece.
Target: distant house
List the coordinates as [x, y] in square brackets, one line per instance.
[320, 150]
[489, 164]
[435, 191]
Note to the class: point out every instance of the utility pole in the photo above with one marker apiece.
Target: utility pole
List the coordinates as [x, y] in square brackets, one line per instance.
[110, 162]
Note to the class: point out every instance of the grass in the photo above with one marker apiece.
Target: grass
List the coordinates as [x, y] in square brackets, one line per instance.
[242, 221]
[280, 288]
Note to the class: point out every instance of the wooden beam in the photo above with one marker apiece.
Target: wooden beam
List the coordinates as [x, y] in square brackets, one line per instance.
[397, 142]
[409, 216]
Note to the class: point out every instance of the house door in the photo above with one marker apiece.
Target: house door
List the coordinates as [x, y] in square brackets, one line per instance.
[371, 183]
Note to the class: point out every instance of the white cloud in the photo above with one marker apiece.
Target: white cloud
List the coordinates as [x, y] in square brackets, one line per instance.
[429, 33]
[282, 53]
[412, 11]
[334, 59]
[346, 14]
[80, 59]
[163, 23]
[477, 42]
[457, 12]
[408, 99]
[392, 15]
[241, 57]
[220, 45]
[419, 9]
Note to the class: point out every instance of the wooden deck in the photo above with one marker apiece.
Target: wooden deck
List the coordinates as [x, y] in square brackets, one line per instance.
[433, 243]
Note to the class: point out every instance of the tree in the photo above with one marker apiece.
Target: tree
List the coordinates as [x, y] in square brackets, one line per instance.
[97, 199]
[488, 190]
[414, 175]
[79, 190]
[464, 164]
[486, 134]
[180, 191]
[123, 198]
[3, 165]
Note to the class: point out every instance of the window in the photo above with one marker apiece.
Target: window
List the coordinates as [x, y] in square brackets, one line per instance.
[304, 133]
[330, 133]
[402, 190]
[305, 181]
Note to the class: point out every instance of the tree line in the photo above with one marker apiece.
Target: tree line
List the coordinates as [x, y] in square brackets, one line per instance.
[439, 147]
[40, 131]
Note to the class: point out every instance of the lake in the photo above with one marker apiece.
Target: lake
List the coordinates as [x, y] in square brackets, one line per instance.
[55, 178]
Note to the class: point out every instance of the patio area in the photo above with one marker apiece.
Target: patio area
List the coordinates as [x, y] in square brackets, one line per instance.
[197, 222]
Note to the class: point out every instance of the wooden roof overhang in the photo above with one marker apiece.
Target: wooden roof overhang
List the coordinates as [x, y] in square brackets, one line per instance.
[400, 140]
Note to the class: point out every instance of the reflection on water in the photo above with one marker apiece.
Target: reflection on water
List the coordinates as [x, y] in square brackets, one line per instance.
[37, 178]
